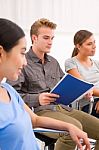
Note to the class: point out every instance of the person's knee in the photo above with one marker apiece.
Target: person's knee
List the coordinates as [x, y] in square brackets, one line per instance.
[78, 124]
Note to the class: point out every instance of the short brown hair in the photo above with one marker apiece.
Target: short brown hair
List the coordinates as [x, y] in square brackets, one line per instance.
[43, 22]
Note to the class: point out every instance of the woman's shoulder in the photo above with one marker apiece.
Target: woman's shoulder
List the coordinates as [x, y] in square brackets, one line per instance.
[71, 60]
[96, 62]
[70, 63]
[13, 92]
[8, 87]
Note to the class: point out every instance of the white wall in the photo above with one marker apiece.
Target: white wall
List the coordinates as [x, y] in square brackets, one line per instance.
[70, 16]
[63, 47]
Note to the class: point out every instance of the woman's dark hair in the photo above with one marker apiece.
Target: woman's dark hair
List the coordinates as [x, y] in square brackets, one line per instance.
[10, 34]
[79, 38]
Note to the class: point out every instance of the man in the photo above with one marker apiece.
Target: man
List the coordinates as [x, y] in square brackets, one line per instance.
[37, 79]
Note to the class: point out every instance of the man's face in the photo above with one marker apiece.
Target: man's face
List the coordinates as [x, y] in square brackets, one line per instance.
[43, 42]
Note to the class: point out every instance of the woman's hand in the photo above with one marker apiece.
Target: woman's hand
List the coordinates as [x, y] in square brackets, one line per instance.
[46, 122]
[47, 98]
[97, 107]
[79, 137]
[89, 95]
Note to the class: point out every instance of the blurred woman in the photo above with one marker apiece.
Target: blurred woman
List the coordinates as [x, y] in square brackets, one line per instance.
[82, 66]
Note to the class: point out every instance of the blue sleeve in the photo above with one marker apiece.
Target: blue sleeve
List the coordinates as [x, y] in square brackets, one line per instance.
[14, 92]
[20, 100]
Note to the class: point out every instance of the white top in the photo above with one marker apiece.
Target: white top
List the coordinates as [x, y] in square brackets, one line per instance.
[90, 74]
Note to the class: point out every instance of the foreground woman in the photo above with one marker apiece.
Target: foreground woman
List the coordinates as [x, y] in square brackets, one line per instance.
[16, 119]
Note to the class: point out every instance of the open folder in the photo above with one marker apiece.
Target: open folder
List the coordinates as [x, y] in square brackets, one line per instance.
[70, 88]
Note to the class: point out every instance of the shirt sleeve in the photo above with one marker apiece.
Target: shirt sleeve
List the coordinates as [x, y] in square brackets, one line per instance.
[70, 64]
[14, 93]
[32, 100]
[20, 100]
[61, 71]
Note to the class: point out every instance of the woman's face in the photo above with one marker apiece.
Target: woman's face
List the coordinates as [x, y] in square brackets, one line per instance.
[13, 61]
[88, 48]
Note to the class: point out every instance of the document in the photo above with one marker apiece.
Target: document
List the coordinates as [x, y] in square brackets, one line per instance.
[70, 88]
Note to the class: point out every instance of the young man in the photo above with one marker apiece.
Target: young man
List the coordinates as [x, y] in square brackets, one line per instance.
[37, 79]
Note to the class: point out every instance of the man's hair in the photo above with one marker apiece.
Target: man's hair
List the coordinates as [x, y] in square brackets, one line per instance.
[43, 22]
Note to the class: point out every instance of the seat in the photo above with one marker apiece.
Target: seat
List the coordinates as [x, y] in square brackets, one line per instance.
[49, 142]
[77, 104]
[92, 143]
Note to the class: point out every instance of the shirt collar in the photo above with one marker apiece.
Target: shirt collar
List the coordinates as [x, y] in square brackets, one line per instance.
[34, 58]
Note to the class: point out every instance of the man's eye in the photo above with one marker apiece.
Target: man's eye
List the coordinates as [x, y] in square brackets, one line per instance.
[23, 53]
[45, 38]
[89, 43]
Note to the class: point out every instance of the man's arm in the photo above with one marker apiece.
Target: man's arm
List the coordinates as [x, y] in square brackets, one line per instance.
[31, 99]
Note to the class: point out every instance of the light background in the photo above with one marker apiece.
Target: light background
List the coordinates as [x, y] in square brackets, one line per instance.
[69, 15]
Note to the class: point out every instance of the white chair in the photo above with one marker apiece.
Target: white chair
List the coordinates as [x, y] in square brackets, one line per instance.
[49, 142]
[92, 142]
[77, 106]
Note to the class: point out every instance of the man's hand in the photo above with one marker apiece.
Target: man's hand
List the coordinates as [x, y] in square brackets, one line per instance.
[47, 98]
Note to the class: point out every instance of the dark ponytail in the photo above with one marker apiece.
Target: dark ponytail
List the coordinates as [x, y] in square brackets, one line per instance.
[75, 52]
[79, 38]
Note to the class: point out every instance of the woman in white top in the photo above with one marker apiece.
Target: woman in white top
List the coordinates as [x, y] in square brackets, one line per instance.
[82, 66]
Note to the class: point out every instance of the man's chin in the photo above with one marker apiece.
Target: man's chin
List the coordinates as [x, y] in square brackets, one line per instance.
[48, 51]
[14, 78]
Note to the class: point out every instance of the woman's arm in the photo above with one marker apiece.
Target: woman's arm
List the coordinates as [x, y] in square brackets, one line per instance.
[97, 107]
[75, 73]
[46, 122]
[96, 92]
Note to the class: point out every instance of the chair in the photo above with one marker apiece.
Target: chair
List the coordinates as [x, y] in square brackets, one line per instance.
[49, 142]
[92, 141]
[76, 105]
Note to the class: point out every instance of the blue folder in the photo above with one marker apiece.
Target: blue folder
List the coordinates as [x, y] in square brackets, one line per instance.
[70, 88]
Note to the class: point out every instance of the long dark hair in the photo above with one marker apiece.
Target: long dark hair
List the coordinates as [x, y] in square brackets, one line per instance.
[79, 38]
[10, 34]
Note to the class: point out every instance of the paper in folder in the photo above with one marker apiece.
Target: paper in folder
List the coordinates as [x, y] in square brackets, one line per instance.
[70, 88]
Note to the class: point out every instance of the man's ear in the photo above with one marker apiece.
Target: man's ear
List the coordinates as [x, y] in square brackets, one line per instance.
[34, 38]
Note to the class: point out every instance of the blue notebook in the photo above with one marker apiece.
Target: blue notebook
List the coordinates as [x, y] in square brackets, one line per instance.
[70, 88]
